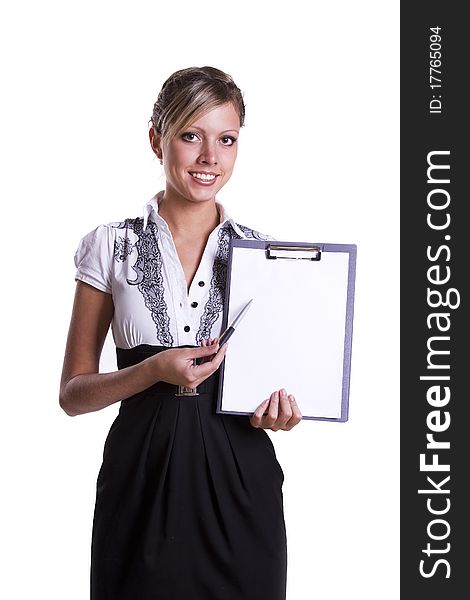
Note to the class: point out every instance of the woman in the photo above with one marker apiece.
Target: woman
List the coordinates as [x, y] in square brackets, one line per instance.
[189, 502]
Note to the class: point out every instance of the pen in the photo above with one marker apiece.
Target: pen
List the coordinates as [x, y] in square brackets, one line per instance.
[228, 332]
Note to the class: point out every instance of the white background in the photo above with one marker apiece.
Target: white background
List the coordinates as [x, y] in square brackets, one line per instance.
[318, 161]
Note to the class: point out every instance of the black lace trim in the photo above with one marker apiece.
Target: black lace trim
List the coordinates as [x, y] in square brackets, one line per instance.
[148, 269]
[122, 248]
[252, 234]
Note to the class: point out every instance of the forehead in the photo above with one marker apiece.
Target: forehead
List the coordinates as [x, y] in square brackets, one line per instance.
[220, 118]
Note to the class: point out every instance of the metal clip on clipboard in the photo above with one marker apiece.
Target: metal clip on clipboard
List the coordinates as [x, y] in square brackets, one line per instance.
[274, 251]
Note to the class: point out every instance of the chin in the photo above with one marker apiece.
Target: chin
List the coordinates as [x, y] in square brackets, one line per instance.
[204, 194]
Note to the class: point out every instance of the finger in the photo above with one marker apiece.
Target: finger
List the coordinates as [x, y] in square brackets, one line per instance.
[268, 420]
[285, 407]
[284, 412]
[198, 356]
[274, 405]
[208, 367]
[257, 417]
[201, 351]
[219, 356]
[260, 410]
[296, 414]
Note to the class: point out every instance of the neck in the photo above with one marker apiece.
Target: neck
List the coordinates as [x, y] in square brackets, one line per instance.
[188, 218]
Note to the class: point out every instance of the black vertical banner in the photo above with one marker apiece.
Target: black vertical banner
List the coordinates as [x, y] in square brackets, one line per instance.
[435, 332]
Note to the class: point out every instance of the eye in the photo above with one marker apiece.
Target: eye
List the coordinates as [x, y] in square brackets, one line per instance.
[189, 136]
[228, 140]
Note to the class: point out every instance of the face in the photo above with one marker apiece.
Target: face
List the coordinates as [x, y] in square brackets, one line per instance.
[199, 161]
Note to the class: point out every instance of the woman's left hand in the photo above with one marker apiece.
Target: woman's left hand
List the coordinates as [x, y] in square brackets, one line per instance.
[281, 410]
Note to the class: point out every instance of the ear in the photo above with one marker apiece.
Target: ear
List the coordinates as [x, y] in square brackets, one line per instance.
[156, 142]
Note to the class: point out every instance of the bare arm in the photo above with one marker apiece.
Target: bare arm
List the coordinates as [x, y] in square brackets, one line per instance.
[83, 389]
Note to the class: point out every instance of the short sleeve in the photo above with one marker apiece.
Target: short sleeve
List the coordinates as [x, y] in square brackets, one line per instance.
[94, 257]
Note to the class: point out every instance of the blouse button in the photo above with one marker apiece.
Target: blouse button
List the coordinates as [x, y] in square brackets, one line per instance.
[187, 328]
[201, 284]
[194, 304]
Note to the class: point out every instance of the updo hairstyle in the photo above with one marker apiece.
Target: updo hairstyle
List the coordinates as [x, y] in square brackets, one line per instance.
[189, 93]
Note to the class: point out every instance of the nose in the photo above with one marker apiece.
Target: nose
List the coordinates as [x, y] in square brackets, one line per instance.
[208, 153]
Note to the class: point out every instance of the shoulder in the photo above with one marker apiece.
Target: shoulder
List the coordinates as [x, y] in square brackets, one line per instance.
[119, 228]
[112, 231]
[108, 239]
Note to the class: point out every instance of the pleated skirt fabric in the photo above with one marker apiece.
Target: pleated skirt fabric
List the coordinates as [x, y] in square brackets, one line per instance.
[189, 502]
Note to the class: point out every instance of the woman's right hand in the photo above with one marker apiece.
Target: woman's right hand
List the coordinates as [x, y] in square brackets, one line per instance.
[179, 366]
[84, 389]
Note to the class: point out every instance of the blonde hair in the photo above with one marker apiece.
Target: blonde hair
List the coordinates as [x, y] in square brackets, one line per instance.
[189, 93]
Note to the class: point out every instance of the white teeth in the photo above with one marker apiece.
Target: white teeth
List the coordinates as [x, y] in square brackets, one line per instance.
[203, 176]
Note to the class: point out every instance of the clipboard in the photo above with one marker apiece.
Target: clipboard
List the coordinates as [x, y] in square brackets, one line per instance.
[297, 333]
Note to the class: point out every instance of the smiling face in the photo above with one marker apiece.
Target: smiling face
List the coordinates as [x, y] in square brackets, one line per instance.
[199, 161]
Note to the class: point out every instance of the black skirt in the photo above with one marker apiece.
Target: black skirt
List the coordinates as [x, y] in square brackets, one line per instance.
[189, 502]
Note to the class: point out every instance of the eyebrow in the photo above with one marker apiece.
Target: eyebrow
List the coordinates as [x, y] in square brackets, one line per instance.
[203, 130]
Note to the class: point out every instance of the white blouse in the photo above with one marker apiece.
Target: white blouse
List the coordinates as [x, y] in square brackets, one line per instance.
[136, 261]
